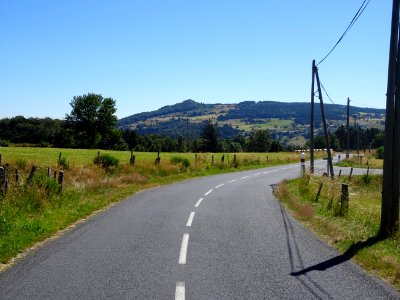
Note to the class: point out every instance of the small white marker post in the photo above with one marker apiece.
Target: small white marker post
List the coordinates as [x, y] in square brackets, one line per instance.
[302, 164]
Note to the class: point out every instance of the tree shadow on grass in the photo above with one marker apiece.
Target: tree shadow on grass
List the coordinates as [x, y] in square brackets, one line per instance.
[337, 260]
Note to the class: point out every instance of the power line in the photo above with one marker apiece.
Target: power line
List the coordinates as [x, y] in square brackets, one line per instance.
[326, 93]
[353, 21]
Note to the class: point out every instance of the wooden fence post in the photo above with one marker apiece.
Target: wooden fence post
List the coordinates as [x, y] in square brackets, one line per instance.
[157, 161]
[133, 158]
[319, 191]
[48, 172]
[212, 159]
[60, 180]
[351, 173]
[31, 174]
[16, 176]
[344, 199]
[195, 157]
[2, 180]
[340, 172]
[223, 158]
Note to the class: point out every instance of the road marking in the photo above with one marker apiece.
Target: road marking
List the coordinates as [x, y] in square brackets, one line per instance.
[208, 193]
[245, 177]
[198, 202]
[180, 291]
[257, 174]
[218, 186]
[266, 172]
[182, 254]
[231, 181]
[190, 220]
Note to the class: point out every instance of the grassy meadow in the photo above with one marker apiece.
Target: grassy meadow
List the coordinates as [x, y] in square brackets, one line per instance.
[352, 229]
[364, 160]
[35, 208]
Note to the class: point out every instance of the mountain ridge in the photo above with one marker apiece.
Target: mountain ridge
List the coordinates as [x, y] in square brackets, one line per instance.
[186, 118]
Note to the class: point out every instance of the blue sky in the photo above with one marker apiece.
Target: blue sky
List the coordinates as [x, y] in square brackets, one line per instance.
[147, 54]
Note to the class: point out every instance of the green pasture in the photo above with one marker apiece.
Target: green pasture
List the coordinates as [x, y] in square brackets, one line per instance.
[81, 157]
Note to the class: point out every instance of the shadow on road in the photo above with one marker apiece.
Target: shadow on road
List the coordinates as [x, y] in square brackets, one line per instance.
[340, 258]
[295, 258]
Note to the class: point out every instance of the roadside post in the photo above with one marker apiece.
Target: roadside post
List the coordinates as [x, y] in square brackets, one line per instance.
[302, 164]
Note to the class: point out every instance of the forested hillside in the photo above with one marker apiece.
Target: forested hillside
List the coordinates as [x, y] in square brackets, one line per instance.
[188, 117]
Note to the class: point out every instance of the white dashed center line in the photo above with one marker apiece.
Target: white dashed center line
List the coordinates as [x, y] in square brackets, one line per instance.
[208, 193]
[231, 181]
[218, 186]
[190, 220]
[245, 177]
[184, 246]
[180, 291]
[198, 202]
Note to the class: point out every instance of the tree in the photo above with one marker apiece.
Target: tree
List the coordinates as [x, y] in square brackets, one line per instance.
[93, 121]
[276, 146]
[209, 139]
[260, 141]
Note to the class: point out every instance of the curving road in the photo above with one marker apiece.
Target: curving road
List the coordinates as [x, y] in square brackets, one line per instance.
[217, 237]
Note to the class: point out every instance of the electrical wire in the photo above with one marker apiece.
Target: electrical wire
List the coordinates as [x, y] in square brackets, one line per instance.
[327, 93]
[353, 21]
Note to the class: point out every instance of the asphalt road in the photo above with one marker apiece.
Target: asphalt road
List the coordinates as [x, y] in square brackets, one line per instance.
[217, 237]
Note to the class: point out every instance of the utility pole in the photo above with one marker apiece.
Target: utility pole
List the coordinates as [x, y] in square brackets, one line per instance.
[357, 135]
[390, 185]
[312, 120]
[348, 126]
[324, 124]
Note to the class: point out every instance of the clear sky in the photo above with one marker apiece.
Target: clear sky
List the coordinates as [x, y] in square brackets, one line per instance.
[150, 53]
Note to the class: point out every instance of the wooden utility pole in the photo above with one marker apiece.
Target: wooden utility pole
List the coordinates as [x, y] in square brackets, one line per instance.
[312, 120]
[357, 135]
[347, 128]
[324, 124]
[390, 186]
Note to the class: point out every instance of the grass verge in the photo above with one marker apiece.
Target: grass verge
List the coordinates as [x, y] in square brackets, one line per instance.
[353, 230]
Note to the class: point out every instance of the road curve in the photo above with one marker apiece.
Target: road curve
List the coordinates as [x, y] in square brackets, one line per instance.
[217, 237]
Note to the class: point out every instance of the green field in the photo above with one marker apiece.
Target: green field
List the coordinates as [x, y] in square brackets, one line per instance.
[79, 157]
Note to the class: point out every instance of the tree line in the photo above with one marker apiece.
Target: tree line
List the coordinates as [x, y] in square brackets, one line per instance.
[92, 124]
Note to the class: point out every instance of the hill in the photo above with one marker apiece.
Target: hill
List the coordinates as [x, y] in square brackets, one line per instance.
[281, 118]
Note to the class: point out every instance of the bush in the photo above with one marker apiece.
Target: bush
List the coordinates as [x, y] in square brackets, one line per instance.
[63, 162]
[380, 152]
[4, 143]
[180, 160]
[106, 161]
[21, 163]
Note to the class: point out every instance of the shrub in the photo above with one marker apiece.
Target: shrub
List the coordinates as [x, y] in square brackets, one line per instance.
[380, 152]
[21, 163]
[4, 143]
[63, 162]
[180, 160]
[106, 161]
